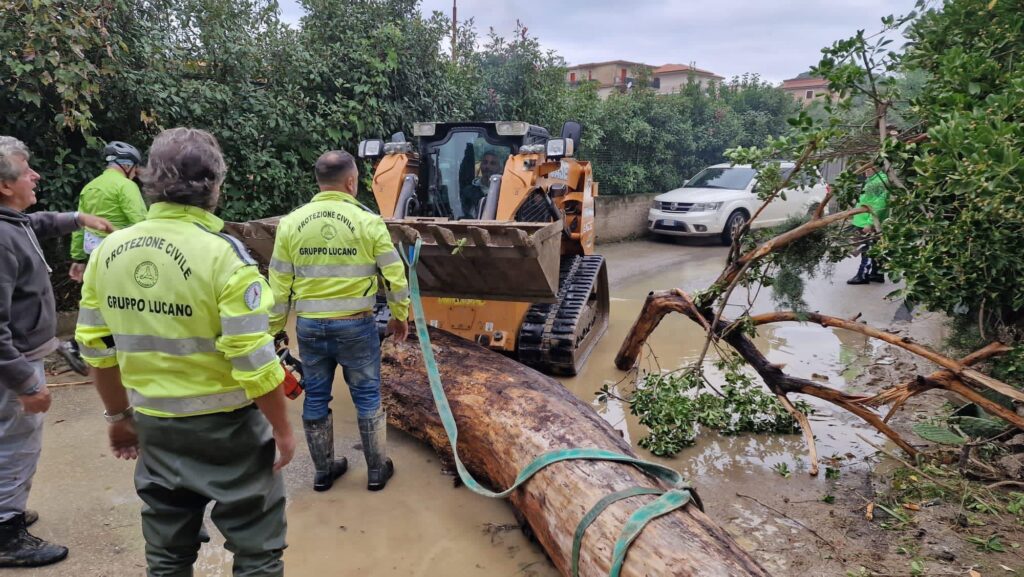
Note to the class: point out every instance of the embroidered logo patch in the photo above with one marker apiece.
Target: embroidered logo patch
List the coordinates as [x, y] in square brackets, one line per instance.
[328, 232]
[146, 274]
[254, 295]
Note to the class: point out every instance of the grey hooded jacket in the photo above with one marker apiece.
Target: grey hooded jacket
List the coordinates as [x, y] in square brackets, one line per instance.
[28, 316]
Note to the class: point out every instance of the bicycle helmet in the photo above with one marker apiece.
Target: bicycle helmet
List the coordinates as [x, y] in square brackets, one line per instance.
[121, 153]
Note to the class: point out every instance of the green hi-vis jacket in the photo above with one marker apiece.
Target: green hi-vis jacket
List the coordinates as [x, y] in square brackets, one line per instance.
[115, 198]
[326, 259]
[876, 197]
[183, 311]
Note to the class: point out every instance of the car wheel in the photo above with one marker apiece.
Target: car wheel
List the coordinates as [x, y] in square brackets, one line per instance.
[735, 222]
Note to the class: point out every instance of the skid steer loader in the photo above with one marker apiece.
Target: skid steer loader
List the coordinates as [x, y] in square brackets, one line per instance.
[506, 214]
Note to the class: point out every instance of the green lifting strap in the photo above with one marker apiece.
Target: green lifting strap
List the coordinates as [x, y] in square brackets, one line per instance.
[597, 509]
[679, 496]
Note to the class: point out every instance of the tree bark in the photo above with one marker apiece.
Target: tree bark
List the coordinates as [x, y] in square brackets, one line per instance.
[509, 414]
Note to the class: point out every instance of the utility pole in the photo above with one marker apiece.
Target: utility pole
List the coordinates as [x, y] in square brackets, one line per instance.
[455, 29]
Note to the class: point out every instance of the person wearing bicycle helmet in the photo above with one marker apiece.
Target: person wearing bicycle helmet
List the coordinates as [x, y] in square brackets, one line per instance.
[112, 195]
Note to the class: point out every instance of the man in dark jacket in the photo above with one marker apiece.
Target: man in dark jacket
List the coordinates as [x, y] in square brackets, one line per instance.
[28, 326]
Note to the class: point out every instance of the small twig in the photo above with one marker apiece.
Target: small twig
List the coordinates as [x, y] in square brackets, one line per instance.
[812, 531]
[1004, 484]
[68, 384]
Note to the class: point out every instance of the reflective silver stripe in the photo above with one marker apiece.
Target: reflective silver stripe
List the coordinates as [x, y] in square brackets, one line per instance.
[389, 258]
[90, 318]
[334, 305]
[280, 309]
[152, 344]
[335, 270]
[96, 353]
[189, 405]
[244, 325]
[255, 359]
[281, 266]
[397, 297]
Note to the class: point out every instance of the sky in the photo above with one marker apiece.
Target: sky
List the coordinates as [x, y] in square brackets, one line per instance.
[776, 39]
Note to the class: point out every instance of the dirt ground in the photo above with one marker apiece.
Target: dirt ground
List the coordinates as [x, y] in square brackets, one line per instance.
[423, 525]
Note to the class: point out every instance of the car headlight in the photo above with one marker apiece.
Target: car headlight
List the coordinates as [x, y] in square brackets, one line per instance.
[705, 206]
[656, 205]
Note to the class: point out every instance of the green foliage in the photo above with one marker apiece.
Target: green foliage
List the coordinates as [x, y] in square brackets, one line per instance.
[674, 405]
[653, 143]
[938, 434]
[954, 231]
[783, 470]
[991, 544]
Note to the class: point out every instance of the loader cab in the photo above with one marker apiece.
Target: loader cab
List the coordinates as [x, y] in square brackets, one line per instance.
[458, 159]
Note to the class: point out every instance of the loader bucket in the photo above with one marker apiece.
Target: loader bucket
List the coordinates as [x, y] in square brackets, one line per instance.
[468, 259]
[257, 236]
[487, 260]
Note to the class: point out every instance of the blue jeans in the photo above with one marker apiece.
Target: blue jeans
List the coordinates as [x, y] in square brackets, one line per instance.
[355, 345]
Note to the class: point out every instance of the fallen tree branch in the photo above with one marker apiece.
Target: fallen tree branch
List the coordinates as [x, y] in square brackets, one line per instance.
[900, 394]
[959, 369]
[660, 303]
[732, 272]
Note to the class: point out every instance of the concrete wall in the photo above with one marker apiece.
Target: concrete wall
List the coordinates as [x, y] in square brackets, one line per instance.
[621, 217]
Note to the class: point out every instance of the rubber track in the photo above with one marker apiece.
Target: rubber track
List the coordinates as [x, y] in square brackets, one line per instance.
[550, 335]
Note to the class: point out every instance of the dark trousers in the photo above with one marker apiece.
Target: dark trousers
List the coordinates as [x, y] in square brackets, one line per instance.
[227, 458]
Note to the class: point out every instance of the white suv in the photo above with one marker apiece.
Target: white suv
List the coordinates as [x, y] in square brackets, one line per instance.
[720, 199]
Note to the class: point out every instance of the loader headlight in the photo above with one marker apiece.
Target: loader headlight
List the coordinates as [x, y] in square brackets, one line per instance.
[398, 148]
[512, 128]
[370, 148]
[705, 206]
[559, 147]
[424, 128]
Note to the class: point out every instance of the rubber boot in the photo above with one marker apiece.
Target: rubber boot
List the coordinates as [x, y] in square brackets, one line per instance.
[73, 357]
[320, 438]
[374, 434]
[19, 548]
[862, 271]
[875, 273]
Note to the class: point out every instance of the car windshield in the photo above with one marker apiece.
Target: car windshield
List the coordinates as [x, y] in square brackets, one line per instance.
[733, 178]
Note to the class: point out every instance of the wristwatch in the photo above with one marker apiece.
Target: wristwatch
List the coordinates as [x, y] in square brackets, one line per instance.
[125, 414]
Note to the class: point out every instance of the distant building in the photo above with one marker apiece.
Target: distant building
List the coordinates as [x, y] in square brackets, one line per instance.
[674, 77]
[610, 75]
[621, 75]
[807, 90]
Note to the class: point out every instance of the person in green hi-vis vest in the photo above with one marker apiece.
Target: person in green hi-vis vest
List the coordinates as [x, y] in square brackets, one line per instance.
[114, 196]
[876, 197]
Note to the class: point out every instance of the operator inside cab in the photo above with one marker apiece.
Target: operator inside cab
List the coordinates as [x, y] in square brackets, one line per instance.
[474, 192]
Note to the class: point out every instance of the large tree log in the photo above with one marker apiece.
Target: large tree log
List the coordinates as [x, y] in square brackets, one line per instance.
[509, 414]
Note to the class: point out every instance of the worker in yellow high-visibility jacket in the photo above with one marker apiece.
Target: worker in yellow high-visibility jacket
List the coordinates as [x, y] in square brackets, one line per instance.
[326, 261]
[174, 319]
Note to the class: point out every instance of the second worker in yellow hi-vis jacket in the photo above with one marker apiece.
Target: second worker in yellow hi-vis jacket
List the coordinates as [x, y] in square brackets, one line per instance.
[326, 259]
[175, 319]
